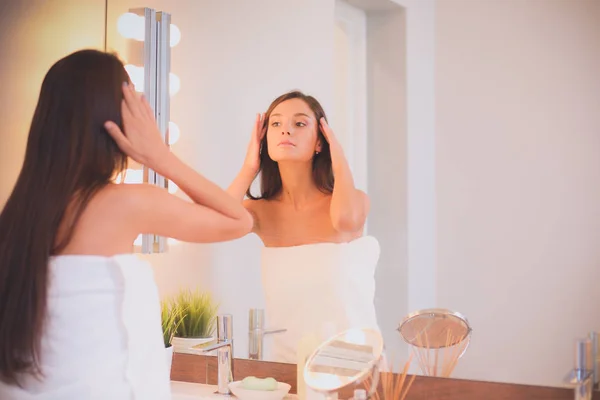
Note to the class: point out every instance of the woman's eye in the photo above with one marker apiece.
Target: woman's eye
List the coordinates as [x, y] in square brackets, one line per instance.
[300, 124]
[275, 124]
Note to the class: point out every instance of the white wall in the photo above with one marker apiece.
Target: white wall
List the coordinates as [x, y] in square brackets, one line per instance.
[350, 88]
[387, 160]
[234, 58]
[34, 34]
[518, 172]
[501, 200]
[420, 152]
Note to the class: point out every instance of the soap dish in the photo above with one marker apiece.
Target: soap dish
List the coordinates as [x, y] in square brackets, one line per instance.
[247, 394]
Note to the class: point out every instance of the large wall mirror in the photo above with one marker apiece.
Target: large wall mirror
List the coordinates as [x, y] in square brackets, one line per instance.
[447, 113]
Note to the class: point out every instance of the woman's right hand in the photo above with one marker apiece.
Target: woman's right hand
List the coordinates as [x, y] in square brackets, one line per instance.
[141, 140]
[252, 160]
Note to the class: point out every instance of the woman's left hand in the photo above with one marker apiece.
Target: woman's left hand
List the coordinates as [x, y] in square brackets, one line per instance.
[334, 144]
[349, 206]
[327, 132]
[329, 135]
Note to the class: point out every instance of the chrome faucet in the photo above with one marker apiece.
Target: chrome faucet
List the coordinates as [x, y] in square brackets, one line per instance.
[584, 376]
[595, 338]
[224, 347]
[257, 332]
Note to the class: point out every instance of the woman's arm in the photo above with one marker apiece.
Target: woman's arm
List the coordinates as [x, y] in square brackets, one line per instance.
[155, 210]
[199, 189]
[237, 189]
[349, 206]
[244, 178]
[213, 216]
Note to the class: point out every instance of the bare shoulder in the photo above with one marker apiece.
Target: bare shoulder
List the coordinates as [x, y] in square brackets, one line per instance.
[141, 189]
[250, 204]
[255, 205]
[107, 224]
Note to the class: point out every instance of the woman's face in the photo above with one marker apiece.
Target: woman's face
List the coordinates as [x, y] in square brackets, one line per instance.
[292, 132]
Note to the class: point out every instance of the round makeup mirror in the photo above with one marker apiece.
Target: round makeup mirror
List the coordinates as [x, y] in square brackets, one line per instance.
[346, 359]
[438, 339]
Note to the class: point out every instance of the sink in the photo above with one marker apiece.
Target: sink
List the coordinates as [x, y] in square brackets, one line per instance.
[199, 391]
[192, 391]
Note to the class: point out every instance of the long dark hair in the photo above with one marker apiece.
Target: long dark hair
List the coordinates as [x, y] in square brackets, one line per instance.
[69, 157]
[270, 178]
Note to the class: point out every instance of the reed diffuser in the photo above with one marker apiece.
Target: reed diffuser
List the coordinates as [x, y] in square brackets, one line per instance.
[392, 387]
[439, 361]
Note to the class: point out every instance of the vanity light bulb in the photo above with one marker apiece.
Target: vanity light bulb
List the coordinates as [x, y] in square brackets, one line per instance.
[175, 35]
[172, 187]
[131, 26]
[173, 133]
[174, 84]
[134, 176]
[136, 74]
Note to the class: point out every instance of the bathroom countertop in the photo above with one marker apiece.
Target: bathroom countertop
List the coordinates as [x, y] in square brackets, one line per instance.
[199, 391]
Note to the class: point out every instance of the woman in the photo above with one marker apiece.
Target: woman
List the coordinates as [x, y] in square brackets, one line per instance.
[297, 155]
[80, 318]
[309, 215]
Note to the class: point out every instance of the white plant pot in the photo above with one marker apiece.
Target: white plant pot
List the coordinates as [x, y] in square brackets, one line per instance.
[184, 345]
[169, 359]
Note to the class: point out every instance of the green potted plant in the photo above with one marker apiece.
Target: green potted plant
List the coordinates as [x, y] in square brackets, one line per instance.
[169, 318]
[195, 318]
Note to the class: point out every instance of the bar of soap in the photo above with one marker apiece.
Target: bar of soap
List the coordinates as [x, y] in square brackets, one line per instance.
[253, 383]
